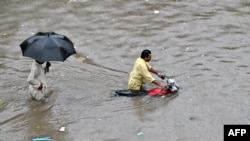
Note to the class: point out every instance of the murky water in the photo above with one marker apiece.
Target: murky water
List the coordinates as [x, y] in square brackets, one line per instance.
[203, 45]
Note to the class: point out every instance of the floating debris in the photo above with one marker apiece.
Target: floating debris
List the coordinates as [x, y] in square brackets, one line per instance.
[62, 129]
[42, 139]
[156, 11]
[81, 59]
[5, 35]
[71, 1]
[139, 133]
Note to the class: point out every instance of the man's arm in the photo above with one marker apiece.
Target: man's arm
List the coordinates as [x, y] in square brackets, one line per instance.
[163, 86]
[162, 76]
[146, 73]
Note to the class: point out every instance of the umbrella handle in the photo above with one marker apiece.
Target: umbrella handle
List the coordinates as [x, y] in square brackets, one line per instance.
[48, 64]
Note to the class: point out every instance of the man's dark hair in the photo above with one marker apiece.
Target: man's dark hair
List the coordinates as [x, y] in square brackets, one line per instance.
[145, 53]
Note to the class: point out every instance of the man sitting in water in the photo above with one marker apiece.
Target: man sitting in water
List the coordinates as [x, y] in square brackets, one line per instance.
[141, 72]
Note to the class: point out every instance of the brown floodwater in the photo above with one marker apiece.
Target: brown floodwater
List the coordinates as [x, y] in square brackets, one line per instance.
[203, 44]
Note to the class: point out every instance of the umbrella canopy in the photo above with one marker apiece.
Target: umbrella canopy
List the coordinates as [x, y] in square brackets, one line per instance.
[48, 46]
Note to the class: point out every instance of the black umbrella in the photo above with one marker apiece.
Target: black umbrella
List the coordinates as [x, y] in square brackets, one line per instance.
[48, 46]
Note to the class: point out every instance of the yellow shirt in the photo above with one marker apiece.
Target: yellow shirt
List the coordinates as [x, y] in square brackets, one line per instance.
[139, 75]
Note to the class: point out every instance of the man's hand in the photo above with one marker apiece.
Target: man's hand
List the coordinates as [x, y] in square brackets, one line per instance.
[47, 66]
[163, 86]
[162, 76]
[40, 87]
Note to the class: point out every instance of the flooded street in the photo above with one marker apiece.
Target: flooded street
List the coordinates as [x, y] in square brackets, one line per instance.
[204, 45]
